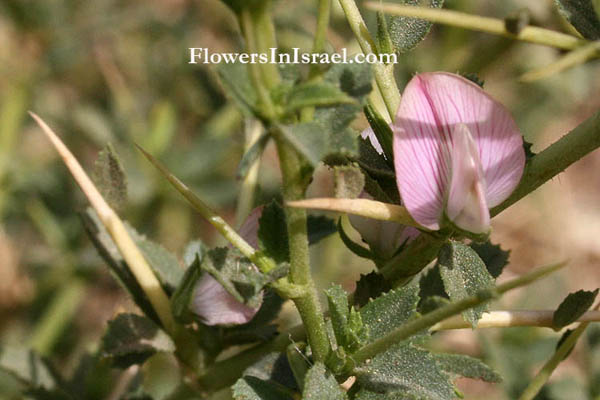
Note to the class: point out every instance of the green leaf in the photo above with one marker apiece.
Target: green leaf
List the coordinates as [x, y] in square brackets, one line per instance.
[252, 155]
[390, 311]
[316, 94]
[164, 264]
[352, 246]
[337, 299]
[573, 307]
[272, 232]
[321, 384]
[370, 286]
[349, 181]
[582, 15]
[431, 290]
[464, 274]
[382, 131]
[407, 33]
[402, 372]
[273, 367]
[252, 388]
[131, 339]
[118, 267]
[238, 5]
[237, 85]
[384, 41]
[494, 258]
[109, 177]
[461, 365]
[319, 227]
[28, 368]
[181, 298]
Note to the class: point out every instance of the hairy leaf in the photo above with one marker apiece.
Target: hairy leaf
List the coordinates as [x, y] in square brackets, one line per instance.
[321, 384]
[110, 178]
[182, 296]
[316, 94]
[319, 227]
[370, 286]
[349, 181]
[431, 290]
[337, 299]
[273, 367]
[494, 258]
[272, 232]
[407, 33]
[461, 365]
[581, 14]
[464, 274]
[131, 339]
[573, 307]
[237, 85]
[252, 388]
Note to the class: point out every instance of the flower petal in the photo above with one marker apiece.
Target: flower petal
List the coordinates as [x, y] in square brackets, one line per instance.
[431, 106]
[215, 306]
[370, 134]
[467, 206]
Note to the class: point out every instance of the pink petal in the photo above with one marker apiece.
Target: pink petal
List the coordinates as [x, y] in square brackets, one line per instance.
[467, 206]
[431, 106]
[215, 306]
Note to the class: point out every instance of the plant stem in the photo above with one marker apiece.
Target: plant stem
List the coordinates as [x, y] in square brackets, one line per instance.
[559, 355]
[265, 264]
[428, 320]
[253, 131]
[384, 74]
[484, 24]
[115, 227]
[265, 41]
[505, 319]
[581, 141]
[571, 59]
[266, 103]
[294, 184]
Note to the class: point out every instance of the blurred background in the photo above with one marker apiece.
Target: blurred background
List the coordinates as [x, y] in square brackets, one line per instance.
[116, 71]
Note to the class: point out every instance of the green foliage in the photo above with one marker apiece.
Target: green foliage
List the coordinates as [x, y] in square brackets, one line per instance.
[404, 371]
[382, 131]
[431, 290]
[268, 379]
[464, 274]
[348, 327]
[110, 178]
[573, 307]
[457, 365]
[252, 155]
[316, 94]
[352, 246]
[252, 388]
[132, 339]
[28, 368]
[384, 41]
[118, 267]
[319, 227]
[407, 33]
[182, 296]
[370, 286]
[492, 255]
[582, 15]
[321, 384]
[238, 87]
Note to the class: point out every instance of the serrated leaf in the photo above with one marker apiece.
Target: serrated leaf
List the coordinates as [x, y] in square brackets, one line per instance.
[405, 370]
[406, 33]
[461, 365]
[252, 388]
[316, 94]
[581, 14]
[464, 274]
[131, 339]
[272, 232]
[390, 310]
[349, 181]
[237, 85]
[110, 178]
[321, 384]
[492, 255]
[164, 264]
[118, 267]
[573, 307]
[431, 289]
[370, 286]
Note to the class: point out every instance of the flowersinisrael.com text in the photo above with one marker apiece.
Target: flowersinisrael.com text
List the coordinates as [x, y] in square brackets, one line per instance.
[201, 55]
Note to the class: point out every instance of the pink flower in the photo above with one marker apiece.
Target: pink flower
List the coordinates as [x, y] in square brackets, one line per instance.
[457, 152]
[211, 302]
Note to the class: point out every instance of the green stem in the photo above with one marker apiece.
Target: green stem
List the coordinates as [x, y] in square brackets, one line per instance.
[559, 355]
[428, 320]
[294, 184]
[266, 103]
[571, 59]
[495, 26]
[384, 74]
[265, 41]
[245, 201]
